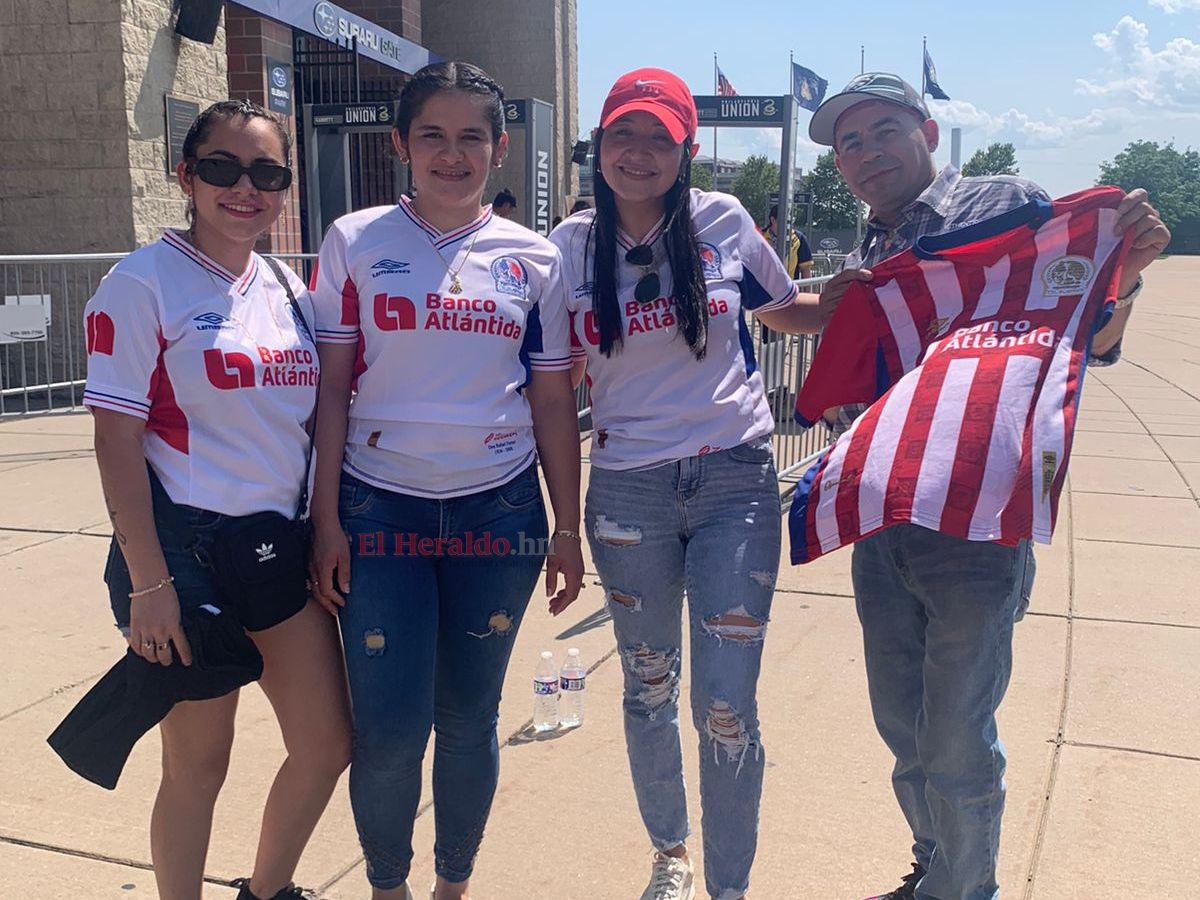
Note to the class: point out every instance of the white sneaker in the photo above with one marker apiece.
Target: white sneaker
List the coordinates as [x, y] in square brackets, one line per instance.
[670, 879]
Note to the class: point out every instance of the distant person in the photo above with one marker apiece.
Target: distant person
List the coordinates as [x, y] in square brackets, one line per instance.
[937, 611]
[505, 204]
[580, 206]
[799, 259]
[197, 431]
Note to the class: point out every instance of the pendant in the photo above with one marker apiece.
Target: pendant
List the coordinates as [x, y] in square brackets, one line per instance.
[455, 285]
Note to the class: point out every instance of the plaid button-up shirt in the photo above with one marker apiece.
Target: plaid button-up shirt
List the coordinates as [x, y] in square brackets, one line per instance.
[949, 203]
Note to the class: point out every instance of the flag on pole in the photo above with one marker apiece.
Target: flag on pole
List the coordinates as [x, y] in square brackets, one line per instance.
[808, 87]
[932, 88]
[724, 88]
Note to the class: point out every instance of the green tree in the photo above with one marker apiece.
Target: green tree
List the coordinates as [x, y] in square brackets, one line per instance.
[833, 204]
[995, 159]
[1170, 177]
[755, 184]
[702, 176]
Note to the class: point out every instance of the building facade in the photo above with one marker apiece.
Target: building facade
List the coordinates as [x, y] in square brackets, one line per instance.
[84, 154]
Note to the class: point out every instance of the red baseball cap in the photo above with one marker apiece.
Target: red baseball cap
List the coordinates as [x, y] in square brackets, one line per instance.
[658, 92]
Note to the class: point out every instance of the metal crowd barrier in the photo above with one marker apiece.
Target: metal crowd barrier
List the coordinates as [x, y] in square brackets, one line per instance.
[47, 373]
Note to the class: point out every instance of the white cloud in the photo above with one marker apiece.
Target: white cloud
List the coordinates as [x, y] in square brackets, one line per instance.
[1173, 6]
[1168, 78]
[1023, 129]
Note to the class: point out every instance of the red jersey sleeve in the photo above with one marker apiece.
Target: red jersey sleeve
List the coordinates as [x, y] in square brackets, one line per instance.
[846, 367]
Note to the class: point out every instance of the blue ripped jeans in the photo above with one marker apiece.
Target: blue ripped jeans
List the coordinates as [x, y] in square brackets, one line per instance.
[428, 628]
[937, 614]
[708, 526]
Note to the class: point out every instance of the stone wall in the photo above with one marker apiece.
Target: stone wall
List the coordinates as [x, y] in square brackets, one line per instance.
[64, 174]
[83, 148]
[529, 46]
[158, 62]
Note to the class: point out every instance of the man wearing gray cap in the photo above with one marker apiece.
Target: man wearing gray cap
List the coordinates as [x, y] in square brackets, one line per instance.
[937, 611]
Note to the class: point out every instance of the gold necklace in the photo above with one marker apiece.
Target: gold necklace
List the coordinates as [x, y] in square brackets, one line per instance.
[455, 284]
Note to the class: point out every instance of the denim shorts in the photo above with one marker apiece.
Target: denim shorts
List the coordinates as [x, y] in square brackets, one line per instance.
[187, 558]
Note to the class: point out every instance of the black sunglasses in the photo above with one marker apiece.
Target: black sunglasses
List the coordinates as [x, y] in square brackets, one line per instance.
[649, 286]
[227, 172]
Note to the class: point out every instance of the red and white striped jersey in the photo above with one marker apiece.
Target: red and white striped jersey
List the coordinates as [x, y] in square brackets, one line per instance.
[972, 346]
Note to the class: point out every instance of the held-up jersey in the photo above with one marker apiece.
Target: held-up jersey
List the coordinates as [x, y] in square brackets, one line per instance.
[653, 402]
[972, 345]
[439, 409]
[218, 366]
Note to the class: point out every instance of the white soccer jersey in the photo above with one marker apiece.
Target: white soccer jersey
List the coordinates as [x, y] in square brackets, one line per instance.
[218, 366]
[653, 401]
[438, 409]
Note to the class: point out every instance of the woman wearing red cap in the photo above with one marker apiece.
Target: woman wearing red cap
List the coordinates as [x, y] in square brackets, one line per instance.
[683, 495]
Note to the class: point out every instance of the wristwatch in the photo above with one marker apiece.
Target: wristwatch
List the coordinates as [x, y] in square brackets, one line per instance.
[1127, 300]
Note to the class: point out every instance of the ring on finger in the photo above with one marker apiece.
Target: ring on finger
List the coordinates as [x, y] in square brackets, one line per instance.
[148, 643]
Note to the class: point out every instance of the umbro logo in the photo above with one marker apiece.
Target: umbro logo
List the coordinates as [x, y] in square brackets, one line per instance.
[390, 267]
[265, 552]
[211, 321]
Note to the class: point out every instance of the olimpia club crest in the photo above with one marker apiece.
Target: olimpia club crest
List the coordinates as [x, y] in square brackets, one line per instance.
[510, 276]
[710, 261]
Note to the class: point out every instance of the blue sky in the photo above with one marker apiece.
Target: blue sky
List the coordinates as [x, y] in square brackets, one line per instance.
[1069, 82]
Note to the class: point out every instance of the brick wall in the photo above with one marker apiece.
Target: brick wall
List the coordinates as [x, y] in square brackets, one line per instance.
[251, 39]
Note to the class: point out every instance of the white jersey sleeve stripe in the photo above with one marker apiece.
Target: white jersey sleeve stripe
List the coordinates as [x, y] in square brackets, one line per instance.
[899, 316]
[881, 457]
[1004, 446]
[995, 282]
[941, 446]
[1051, 243]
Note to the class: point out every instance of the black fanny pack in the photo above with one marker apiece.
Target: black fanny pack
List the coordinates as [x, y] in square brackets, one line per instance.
[259, 563]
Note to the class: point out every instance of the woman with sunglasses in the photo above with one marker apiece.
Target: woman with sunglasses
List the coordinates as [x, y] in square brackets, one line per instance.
[201, 379]
[449, 324]
[683, 496]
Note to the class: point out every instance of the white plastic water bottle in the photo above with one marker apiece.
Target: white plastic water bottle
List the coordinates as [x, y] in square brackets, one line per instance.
[545, 694]
[571, 680]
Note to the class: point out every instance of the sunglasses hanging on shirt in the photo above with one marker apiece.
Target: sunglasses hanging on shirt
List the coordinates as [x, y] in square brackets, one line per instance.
[649, 286]
[227, 172]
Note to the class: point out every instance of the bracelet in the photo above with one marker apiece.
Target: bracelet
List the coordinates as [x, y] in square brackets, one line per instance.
[564, 533]
[1127, 300]
[170, 579]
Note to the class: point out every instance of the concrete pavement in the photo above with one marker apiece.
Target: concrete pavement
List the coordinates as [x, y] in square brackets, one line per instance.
[1101, 721]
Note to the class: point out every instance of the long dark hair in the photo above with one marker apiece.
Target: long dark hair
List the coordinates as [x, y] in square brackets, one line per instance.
[687, 274]
[450, 76]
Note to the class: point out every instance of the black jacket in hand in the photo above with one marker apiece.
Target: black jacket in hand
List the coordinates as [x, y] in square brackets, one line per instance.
[96, 737]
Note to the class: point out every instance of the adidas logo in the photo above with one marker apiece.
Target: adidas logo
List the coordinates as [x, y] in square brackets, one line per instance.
[390, 267]
[265, 552]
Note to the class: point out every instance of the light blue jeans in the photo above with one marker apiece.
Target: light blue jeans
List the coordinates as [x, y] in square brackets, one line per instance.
[937, 614]
[707, 526]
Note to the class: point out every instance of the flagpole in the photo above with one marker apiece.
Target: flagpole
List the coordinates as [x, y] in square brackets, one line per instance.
[862, 58]
[716, 90]
[924, 50]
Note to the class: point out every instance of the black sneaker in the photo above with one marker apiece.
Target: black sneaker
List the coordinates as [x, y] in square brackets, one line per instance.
[291, 892]
[908, 886]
